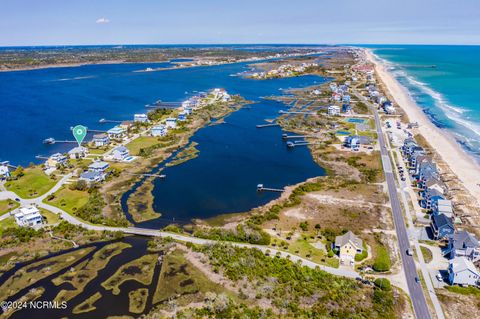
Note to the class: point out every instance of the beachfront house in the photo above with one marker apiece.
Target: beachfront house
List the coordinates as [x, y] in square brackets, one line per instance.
[116, 132]
[100, 140]
[464, 244]
[159, 130]
[443, 206]
[429, 196]
[78, 152]
[98, 166]
[120, 153]
[171, 122]
[92, 177]
[28, 216]
[462, 271]
[348, 245]
[55, 160]
[141, 118]
[442, 226]
[333, 110]
[4, 170]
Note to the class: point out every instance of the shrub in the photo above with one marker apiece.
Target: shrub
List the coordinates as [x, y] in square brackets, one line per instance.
[383, 283]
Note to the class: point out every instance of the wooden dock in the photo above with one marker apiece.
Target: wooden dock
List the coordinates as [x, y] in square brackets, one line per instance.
[146, 174]
[287, 137]
[261, 188]
[109, 121]
[296, 112]
[267, 125]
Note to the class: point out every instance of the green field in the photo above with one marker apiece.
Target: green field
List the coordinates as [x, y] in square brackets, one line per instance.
[51, 218]
[142, 142]
[7, 223]
[68, 200]
[32, 184]
[7, 205]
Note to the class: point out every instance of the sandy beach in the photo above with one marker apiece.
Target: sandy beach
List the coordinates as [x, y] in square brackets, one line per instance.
[462, 164]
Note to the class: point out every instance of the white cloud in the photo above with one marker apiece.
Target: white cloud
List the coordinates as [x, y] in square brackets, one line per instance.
[102, 21]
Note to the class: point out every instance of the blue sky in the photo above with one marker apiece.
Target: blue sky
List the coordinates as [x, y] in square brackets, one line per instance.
[56, 22]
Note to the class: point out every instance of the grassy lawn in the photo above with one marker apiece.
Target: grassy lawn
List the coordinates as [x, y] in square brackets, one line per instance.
[7, 205]
[7, 223]
[96, 151]
[427, 254]
[51, 218]
[303, 248]
[141, 142]
[68, 200]
[33, 184]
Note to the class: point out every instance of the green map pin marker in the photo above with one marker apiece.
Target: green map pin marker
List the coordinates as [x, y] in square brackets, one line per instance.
[79, 132]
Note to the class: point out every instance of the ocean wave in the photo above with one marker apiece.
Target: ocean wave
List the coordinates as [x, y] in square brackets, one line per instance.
[454, 113]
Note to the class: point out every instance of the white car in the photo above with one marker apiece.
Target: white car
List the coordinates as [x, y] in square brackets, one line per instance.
[439, 277]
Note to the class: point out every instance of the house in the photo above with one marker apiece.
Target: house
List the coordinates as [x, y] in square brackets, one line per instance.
[55, 160]
[4, 170]
[442, 226]
[116, 132]
[159, 130]
[78, 152]
[98, 166]
[464, 244]
[142, 118]
[171, 122]
[462, 271]
[352, 142]
[333, 110]
[28, 216]
[126, 125]
[348, 245]
[187, 110]
[443, 206]
[346, 108]
[100, 140]
[120, 153]
[430, 195]
[182, 116]
[92, 177]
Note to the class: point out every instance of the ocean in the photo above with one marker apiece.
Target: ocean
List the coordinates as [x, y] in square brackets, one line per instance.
[444, 81]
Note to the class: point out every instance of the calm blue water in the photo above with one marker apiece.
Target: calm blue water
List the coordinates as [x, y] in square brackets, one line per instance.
[234, 157]
[448, 93]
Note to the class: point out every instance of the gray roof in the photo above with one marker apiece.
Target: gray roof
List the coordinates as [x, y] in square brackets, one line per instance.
[464, 239]
[90, 175]
[441, 220]
[348, 237]
[98, 165]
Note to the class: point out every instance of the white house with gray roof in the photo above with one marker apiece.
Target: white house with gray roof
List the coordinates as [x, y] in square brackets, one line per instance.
[462, 271]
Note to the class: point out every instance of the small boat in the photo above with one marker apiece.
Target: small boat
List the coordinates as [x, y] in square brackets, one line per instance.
[49, 140]
[102, 120]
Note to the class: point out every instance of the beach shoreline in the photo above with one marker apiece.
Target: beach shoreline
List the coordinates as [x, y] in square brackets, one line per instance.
[462, 164]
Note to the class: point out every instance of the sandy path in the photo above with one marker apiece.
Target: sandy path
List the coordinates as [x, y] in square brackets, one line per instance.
[461, 164]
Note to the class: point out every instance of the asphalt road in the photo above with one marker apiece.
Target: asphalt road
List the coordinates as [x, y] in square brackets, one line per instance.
[415, 289]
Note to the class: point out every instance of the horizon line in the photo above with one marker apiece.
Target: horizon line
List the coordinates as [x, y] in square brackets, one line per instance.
[232, 44]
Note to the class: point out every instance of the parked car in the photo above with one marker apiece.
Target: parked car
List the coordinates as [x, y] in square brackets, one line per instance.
[417, 280]
[409, 252]
[439, 277]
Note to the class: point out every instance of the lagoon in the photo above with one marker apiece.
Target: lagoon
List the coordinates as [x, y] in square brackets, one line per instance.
[234, 157]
